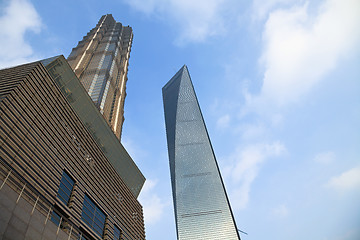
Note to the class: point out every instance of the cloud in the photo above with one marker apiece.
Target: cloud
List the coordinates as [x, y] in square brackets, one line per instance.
[325, 157]
[347, 181]
[223, 122]
[254, 130]
[17, 18]
[196, 20]
[303, 46]
[246, 165]
[261, 8]
[281, 211]
[152, 204]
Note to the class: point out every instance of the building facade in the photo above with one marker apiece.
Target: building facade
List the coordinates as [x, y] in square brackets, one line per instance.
[100, 61]
[59, 177]
[202, 209]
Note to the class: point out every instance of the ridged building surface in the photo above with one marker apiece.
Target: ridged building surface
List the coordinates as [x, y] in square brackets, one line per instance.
[100, 61]
[202, 208]
[58, 176]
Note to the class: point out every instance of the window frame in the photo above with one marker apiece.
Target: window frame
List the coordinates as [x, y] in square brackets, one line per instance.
[64, 187]
[117, 233]
[93, 216]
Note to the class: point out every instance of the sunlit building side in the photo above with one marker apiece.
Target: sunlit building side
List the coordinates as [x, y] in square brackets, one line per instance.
[100, 61]
[63, 173]
[202, 209]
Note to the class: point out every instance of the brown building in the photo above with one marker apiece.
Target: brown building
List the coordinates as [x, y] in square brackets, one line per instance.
[63, 173]
[100, 61]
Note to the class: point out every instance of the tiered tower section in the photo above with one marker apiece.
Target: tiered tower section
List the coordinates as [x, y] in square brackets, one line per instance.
[101, 62]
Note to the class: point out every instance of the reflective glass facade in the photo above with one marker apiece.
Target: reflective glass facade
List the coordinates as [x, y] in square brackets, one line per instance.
[202, 209]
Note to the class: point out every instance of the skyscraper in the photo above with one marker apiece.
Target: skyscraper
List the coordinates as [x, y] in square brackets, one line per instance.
[63, 173]
[202, 209]
[100, 61]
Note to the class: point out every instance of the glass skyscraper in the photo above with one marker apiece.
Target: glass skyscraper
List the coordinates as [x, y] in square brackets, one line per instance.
[100, 61]
[202, 209]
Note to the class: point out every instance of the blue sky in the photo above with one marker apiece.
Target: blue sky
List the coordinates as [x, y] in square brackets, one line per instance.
[278, 82]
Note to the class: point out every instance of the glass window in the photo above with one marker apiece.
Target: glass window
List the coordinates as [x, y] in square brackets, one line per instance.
[93, 216]
[65, 188]
[107, 62]
[112, 47]
[117, 233]
[55, 218]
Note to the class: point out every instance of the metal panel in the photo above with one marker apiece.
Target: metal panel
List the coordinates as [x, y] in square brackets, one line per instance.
[202, 209]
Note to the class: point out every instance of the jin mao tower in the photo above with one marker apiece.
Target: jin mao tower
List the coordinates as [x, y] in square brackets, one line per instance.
[202, 209]
[100, 61]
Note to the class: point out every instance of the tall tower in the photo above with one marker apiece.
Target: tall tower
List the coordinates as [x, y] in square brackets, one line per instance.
[101, 62]
[202, 209]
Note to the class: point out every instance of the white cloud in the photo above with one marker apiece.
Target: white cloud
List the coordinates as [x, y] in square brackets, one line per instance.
[349, 180]
[18, 17]
[276, 119]
[196, 20]
[281, 211]
[301, 47]
[223, 122]
[246, 166]
[261, 8]
[152, 204]
[325, 157]
[254, 130]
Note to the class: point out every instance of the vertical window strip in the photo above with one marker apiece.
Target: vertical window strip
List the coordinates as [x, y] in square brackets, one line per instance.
[65, 188]
[104, 96]
[93, 216]
[117, 233]
[93, 84]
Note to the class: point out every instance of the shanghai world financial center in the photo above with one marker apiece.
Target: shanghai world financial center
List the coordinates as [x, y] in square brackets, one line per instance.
[202, 209]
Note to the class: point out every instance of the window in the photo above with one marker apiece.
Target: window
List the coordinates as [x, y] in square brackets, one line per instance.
[112, 47]
[117, 233]
[55, 218]
[65, 188]
[93, 216]
[107, 60]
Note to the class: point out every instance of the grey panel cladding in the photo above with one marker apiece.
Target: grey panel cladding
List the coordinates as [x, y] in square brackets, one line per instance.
[202, 209]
